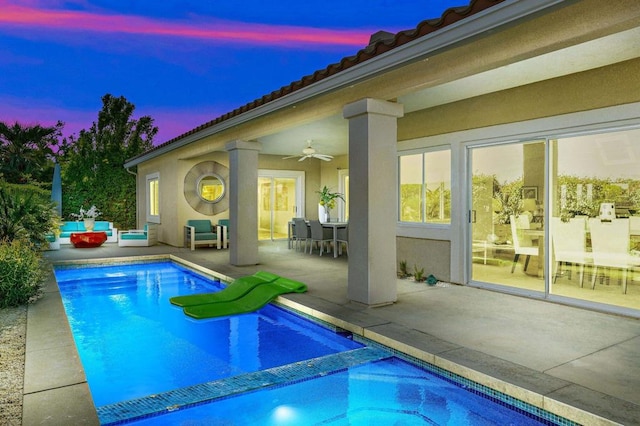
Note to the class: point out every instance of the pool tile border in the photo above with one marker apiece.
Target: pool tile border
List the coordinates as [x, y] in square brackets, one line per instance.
[477, 382]
[166, 402]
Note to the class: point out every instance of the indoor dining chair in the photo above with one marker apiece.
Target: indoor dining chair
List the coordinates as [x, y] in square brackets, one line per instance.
[570, 245]
[521, 243]
[610, 246]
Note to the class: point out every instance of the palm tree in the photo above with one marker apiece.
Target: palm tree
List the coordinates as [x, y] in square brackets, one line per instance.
[26, 152]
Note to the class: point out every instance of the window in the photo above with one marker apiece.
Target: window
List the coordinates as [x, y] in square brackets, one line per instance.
[153, 198]
[425, 187]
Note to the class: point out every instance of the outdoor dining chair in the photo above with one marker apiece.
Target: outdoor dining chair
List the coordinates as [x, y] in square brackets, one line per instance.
[342, 237]
[302, 232]
[319, 235]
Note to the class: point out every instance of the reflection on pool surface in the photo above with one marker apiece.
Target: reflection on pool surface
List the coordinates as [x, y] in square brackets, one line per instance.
[384, 392]
[133, 342]
[148, 363]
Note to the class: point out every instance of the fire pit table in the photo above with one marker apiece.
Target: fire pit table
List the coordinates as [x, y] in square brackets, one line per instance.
[88, 239]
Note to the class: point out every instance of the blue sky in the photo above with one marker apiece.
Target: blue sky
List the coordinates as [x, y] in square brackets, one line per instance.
[181, 62]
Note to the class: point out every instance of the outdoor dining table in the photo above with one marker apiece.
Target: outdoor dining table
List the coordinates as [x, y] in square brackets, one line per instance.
[330, 225]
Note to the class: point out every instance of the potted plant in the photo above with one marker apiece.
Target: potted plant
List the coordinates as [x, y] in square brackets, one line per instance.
[327, 202]
[88, 216]
[54, 236]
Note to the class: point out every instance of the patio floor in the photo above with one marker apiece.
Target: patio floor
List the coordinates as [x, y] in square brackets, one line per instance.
[577, 363]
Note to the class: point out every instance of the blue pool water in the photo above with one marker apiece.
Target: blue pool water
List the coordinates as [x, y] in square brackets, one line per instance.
[133, 342]
[387, 392]
[144, 357]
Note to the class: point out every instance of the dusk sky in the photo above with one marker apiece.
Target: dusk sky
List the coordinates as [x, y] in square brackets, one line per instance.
[183, 63]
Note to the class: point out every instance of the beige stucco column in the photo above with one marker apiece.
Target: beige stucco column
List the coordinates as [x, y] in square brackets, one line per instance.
[243, 202]
[373, 170]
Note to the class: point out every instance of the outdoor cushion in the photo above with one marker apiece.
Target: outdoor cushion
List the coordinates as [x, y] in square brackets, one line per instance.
[200, 236]
[72, 226]
[101, 226]
[134, 236]
[200, 225]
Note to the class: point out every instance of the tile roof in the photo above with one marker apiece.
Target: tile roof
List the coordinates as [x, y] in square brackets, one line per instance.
[380, 43]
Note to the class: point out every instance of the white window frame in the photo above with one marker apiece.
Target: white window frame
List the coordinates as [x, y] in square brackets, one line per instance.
[153, 218]
[423, 152]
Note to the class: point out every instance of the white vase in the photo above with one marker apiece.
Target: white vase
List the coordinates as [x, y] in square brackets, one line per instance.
[89, 224]
[323, 214]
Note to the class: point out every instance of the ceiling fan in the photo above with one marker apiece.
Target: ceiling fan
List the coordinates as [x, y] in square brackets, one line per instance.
[310, 152]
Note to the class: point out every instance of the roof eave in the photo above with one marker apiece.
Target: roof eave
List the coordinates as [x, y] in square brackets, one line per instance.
[482, 22]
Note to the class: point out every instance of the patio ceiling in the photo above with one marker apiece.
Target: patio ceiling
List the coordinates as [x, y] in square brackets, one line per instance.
[329, 134]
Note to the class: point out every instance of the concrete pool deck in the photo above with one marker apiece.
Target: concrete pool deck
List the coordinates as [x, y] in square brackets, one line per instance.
[579, 364]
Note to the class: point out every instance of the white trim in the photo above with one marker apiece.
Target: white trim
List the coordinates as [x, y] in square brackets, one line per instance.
[342, 175]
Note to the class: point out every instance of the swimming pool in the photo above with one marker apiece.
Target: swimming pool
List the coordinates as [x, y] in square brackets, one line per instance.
[142, 357]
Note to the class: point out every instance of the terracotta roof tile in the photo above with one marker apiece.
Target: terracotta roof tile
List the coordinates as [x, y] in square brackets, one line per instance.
[448, 17]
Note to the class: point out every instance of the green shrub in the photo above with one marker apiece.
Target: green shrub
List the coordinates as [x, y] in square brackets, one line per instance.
[25, 213]
[418, 274]
[403, 272]
[21, 273]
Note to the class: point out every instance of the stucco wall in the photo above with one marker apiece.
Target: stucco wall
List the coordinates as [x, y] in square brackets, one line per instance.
[602, 87]
[431, 255]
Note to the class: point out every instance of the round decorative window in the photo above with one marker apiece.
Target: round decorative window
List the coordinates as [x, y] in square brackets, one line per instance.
[211, 188]
[205, 187]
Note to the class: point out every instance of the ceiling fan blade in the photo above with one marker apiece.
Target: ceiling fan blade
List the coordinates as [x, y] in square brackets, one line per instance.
[291, 156]
[304, 157]
[324, 157]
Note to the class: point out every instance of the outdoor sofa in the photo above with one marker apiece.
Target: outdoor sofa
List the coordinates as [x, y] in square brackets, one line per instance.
[69, 227]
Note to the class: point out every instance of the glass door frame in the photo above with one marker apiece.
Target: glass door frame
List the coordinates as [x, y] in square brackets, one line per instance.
[544, 293]
[299, 177]
[343, 188]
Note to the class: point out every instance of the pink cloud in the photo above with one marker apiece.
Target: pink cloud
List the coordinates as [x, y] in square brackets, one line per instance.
[177, 121]
[170, 123]
[31, 112]
[18, 15]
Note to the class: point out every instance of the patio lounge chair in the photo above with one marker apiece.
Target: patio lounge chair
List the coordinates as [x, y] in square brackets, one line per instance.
[139, 237]
[201, 232]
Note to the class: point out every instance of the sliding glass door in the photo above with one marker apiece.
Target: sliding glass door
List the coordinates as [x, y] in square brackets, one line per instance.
[595, 217]
[559, 217]
[279, 200]
[506, 217]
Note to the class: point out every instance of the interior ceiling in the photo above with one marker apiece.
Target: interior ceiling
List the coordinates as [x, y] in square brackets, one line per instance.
[329, 135]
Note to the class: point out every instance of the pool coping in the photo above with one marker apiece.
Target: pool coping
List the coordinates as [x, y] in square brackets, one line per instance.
[64, 396]
[525, 395]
